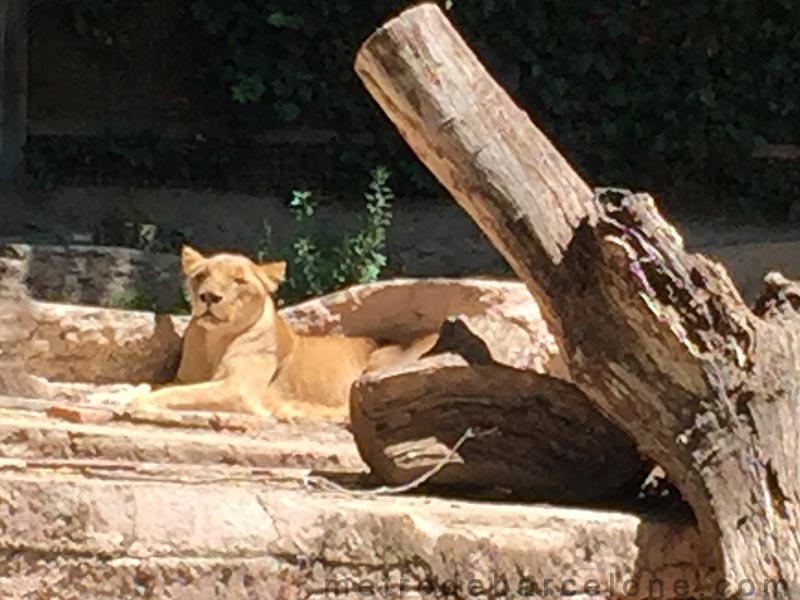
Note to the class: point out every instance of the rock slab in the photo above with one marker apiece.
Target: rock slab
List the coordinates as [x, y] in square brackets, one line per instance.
[183, 535]
[70, 343]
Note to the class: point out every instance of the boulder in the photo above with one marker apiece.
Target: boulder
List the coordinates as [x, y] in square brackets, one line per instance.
[398, 310]
[101, 345]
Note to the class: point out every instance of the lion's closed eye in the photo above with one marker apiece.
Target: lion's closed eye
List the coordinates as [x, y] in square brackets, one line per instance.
[240, 281]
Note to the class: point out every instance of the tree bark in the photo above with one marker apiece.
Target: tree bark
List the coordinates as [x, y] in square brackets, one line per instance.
[550, 444]
[659, 339]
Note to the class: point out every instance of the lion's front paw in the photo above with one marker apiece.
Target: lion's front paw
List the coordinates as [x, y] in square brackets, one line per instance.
[120, 396]
[284, 414]
[139, 404]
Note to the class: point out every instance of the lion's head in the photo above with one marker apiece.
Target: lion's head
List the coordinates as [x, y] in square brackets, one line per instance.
[229, 292]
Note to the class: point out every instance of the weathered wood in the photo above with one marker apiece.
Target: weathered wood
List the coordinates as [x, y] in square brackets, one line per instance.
[659, 339]
[476, 141]
[13, 86]
[537, 437]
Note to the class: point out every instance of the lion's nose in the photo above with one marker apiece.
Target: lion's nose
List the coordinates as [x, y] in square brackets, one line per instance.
[210, 298]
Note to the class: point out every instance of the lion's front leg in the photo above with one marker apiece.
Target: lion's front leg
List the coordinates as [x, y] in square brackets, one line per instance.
[222, 395]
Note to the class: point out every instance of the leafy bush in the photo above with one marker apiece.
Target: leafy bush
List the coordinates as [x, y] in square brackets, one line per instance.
[670, 97]
[319, 263]
[138, 298]
[132, 299]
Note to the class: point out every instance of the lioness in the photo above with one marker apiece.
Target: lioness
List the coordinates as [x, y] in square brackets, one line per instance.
[239, 355]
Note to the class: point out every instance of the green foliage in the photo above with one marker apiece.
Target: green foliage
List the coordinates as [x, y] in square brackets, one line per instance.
[318, 262]
[642, 94]
[141, 299]
[132, 299]
[87, 13]
[272, 53]
[361, 256]
[668, 97]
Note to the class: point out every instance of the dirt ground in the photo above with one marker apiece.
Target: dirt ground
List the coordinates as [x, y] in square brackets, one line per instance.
[426, 238]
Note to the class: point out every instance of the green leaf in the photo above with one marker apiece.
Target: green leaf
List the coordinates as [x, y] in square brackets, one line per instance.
[249, 89]
[282, 20]
[616, 96]
[288, 111]
[344, 6]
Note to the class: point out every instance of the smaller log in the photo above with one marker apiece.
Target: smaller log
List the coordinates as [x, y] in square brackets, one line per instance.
[545, 441]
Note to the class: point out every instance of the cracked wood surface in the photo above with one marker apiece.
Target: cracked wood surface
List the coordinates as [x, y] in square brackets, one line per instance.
[538, 438]
[656, 337]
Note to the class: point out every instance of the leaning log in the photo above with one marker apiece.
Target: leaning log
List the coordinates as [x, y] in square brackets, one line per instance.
[659, 339]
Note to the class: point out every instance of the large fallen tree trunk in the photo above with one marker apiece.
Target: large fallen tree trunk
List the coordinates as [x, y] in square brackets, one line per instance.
[659, 339]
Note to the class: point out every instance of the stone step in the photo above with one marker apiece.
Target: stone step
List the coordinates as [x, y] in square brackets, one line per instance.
[33, 437]
[200, 532]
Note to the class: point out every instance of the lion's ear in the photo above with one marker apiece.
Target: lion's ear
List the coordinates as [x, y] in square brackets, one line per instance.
[272, 274]
[190, 258]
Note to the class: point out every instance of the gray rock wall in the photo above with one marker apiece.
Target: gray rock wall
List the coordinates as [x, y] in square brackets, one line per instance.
[134, 279]
[427, 238]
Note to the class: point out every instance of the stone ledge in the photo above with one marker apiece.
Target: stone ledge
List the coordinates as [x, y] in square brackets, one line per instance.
[213, 538]
[36, 438]
[100, 345]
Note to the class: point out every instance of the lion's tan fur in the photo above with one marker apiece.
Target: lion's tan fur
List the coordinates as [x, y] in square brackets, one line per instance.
[239, 355]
